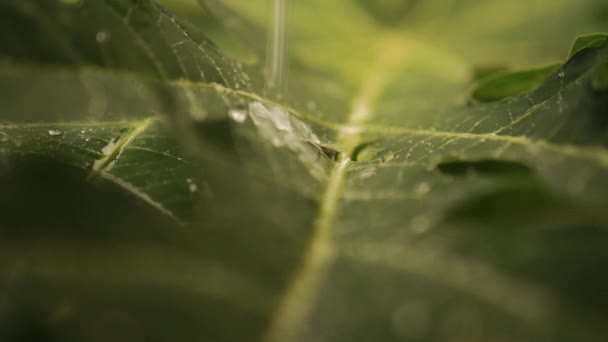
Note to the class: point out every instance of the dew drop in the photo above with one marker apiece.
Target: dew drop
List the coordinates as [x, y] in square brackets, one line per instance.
[102, 36]
[218, 88]
[238, 115]
[55, 132]
[191, 185]
[388, 156]
[422, 188]
[107, 150]
[4, 137]
[561, 74]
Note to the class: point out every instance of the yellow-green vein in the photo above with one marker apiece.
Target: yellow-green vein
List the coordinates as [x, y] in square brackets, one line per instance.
[295, 307]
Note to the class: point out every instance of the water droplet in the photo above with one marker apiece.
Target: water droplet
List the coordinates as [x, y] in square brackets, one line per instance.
[239, 115]
[412, 320]
[102, 36]
[422, 188]
[54, 132]
[218, 88]
[4, 137]
[561, 74]
[282, 130]
[388, 156]
[107, 150]
[191, 185]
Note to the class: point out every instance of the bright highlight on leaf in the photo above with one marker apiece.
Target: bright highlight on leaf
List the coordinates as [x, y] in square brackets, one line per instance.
[431, 171]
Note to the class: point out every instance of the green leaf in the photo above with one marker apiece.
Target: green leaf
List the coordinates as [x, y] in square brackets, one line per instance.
[503, 85]
[588, 41]
[375, 202]
[63, 106]
[600, 81]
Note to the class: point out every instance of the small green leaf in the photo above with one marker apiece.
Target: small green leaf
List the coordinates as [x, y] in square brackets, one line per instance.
[589, 41]
[509, 84]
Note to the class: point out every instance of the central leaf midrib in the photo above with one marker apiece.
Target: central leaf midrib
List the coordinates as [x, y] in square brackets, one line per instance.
[296, 305]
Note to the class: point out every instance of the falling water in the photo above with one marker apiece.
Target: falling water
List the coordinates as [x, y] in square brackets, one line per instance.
[276, 63]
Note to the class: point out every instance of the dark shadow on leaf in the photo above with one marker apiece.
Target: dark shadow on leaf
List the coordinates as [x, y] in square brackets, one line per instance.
[43, 197]
[487, 167]
[536, 235]
[217, 133]
[509, 205]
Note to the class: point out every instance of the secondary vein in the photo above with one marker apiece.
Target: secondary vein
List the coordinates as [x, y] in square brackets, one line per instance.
[102, 164]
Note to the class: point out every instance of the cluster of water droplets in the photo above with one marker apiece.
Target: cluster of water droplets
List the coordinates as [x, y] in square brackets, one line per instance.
[192, 187]
[277, 126]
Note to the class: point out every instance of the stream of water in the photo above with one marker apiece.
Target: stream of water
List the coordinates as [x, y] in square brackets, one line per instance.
[276, 58]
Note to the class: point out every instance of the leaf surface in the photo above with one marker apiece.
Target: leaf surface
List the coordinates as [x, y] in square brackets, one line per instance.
[376, 202]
